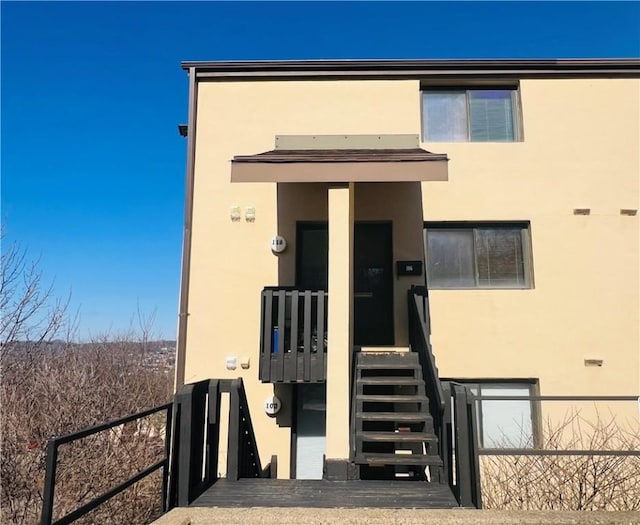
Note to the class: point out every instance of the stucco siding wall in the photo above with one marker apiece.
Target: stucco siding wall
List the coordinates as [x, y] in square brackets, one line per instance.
[580, 150]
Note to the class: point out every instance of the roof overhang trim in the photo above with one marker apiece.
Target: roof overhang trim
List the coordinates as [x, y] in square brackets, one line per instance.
[414, 69]
[335, 166]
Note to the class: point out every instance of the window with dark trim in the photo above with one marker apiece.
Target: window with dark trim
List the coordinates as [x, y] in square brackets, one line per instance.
[471, 115]
[480, 255]
[506, 423]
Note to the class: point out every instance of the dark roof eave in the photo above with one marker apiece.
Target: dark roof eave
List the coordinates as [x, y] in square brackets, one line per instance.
[626, 67]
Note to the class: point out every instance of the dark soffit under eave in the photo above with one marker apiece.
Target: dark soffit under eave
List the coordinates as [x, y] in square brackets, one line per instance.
[627, 67]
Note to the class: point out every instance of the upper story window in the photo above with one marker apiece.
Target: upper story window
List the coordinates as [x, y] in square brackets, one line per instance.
[471, 115]
[478, 255]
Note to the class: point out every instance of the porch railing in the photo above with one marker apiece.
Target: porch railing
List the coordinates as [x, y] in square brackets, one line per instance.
[196, 440]
[293, 335]
[452, 409]
[419, 340]
[55, 443]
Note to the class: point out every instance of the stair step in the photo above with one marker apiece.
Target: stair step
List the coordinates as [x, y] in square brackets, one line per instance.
[389, 380]
[384, 350]
[397, 437]
[378, 357]
[399, 459]
[393, 416]
[392, 398]
[388, 365]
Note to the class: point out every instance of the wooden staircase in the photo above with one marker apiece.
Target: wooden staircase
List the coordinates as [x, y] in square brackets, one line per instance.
[393, 429]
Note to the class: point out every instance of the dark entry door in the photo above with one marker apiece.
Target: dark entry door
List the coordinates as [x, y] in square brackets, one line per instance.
[372, 275]
[373, 284]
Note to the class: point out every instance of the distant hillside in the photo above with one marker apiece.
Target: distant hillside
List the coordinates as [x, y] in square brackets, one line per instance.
[160, 353]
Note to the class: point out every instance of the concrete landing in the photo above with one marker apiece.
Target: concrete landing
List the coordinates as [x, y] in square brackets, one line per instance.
[367, 516]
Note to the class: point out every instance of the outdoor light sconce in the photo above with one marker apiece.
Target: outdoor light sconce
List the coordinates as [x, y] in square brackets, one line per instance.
[235, 213]
[250, 214]
[231, 362]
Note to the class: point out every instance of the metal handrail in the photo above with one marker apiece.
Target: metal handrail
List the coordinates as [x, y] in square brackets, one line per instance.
[53, 444]
[515, 451]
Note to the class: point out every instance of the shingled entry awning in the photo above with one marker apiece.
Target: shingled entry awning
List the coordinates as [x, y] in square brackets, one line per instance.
[340, 165]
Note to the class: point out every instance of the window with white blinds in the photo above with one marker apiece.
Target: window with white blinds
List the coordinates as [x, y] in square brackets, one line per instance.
[472, 115]
[460, 255]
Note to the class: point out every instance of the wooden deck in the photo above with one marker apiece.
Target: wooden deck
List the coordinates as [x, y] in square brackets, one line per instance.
[327, 494]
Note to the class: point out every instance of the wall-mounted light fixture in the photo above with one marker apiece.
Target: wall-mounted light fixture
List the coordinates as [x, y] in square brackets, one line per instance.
[235, 213]
[250, 214]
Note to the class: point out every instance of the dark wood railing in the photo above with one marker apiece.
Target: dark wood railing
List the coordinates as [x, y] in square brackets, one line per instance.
[197, 435]
[466, 461]
[293, 335]
[452, 408]
[53, 445]
[420, 342]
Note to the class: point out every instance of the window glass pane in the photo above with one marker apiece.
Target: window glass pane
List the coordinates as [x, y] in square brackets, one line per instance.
[445, 116]
[506, 424]
[499, 257]
[450, 258]
[491, 115]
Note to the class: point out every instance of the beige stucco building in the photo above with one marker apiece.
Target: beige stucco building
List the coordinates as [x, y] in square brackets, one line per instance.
[509, 188]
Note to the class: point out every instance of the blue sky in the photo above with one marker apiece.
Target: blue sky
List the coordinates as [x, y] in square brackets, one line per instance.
[92, 92]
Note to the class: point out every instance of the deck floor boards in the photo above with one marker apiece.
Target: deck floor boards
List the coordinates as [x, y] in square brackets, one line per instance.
[327, 494]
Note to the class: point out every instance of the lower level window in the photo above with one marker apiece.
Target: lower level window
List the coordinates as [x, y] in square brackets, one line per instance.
[505, 423]
[487, 255]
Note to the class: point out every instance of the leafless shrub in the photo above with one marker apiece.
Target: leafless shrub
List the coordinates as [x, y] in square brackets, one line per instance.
[577, 482]
[51, 386]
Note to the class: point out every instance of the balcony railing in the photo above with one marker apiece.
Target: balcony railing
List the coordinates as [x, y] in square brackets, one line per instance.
[293, 335]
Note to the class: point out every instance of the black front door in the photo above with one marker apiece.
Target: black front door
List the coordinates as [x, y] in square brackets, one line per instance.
[373, 284]
[372, 275]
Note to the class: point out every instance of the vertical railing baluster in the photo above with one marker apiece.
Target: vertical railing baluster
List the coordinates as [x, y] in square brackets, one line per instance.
[282, 299]
[266, 335]
[291, 368]
[318, 374]
[213, 432]
[167, 454]
[233, 448]
[183, 402]
[49, 482]
[307, 335]
[463, 459]
[473, 449]
[445, 437]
